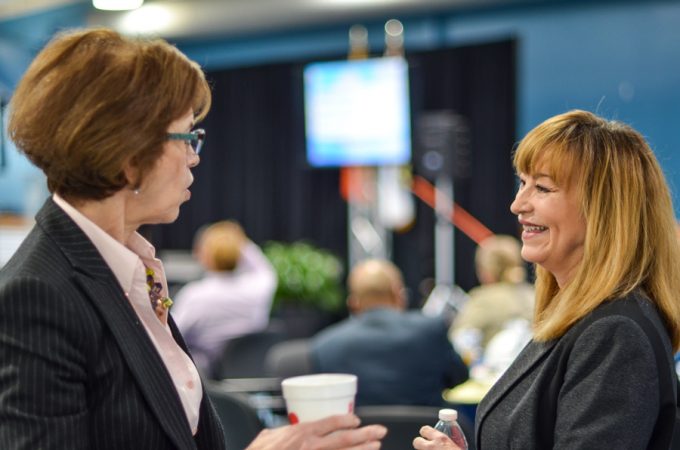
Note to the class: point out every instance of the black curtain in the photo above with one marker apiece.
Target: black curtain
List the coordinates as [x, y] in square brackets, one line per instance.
[253, 165]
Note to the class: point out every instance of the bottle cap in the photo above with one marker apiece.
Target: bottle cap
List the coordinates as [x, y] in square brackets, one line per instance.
[448, 414]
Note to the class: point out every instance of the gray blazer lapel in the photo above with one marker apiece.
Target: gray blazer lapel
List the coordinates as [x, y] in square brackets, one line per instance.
[102, 288]
[532, 354]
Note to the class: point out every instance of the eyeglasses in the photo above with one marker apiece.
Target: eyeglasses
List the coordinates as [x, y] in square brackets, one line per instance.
[194, 138]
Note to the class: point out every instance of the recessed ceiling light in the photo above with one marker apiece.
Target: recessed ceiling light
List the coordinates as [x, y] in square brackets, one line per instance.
[117, 5]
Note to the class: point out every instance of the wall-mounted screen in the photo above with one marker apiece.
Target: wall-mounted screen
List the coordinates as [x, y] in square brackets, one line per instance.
[357, 112]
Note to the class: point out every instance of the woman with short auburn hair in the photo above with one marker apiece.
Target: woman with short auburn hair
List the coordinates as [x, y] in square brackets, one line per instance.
[90, 103]
[91, 359]
[598, 223]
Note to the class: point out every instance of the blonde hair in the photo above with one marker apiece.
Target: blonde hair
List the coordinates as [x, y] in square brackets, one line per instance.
[93, 101]
[219, 245]
[630, 237]
[500, 256]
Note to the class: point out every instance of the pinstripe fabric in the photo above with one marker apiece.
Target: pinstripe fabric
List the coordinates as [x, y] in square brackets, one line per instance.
[77, 369]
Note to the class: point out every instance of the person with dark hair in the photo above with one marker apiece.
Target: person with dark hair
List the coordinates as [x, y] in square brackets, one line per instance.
[598, 224]
[234, 297]
[90, 357]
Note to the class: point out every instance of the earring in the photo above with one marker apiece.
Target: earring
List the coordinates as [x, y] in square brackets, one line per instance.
[136, 192]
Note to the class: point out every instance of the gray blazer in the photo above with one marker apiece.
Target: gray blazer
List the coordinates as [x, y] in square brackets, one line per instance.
[608, 382]
[78, 370]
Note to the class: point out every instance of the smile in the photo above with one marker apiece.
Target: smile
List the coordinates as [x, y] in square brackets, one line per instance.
[534, 228]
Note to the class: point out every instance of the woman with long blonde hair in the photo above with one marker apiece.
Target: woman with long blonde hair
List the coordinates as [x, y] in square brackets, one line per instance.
[598, 223]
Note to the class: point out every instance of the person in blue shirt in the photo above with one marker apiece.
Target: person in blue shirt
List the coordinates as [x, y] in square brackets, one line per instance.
[400, 357]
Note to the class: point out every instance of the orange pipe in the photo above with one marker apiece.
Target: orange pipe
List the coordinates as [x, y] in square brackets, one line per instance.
[461, 219]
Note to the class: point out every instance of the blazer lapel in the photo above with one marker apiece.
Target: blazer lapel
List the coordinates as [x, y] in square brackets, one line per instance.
[532, 354]
[102, 288]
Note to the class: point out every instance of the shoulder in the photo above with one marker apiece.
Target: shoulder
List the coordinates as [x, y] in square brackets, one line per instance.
[633, 309]
[334, 334]
[417, 316]
[33, 308]
[27, 289]
[416, 322]
[38, 261]
[630, 323]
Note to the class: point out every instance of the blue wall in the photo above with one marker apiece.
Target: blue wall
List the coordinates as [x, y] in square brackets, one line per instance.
[621, 59]
[22, 186]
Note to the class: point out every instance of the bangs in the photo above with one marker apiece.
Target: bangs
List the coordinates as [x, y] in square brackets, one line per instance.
[546, 153]
[202, 97]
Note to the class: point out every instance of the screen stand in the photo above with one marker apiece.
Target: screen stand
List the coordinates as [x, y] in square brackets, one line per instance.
[367, 236]
[444, 245]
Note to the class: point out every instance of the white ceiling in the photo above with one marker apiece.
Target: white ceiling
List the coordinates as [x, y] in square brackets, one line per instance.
[17, 8]
[203, 18]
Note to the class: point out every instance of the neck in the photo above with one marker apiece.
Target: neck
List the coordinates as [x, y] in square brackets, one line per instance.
[379, 305]
[109, 214]
[563, 278]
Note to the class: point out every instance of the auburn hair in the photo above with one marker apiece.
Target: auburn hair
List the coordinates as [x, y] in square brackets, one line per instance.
[93, 102]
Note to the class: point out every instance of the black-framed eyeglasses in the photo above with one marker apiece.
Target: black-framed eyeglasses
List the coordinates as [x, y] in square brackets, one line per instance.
[194, 138]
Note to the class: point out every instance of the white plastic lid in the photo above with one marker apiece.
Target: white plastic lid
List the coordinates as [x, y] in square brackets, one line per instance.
[448, 414]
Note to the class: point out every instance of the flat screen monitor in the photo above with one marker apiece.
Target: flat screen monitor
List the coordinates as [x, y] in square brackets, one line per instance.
[357, 112]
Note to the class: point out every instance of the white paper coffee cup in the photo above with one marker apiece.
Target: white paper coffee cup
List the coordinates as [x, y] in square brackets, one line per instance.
[313, 397]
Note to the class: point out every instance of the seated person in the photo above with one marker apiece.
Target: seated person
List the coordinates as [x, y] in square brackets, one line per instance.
[400, 357]
[502, 297]
[234, 297]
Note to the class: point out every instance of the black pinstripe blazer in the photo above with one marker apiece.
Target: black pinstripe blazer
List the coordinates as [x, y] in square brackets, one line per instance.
[77, 368]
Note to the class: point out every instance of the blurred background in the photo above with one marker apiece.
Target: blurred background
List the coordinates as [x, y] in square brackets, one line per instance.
[481, 73]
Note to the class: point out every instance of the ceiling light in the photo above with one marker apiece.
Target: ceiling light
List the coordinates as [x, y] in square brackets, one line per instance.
[151, 18]
[117, 5]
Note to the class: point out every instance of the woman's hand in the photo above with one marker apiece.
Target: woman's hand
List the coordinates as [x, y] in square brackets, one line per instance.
[331, 433]
[433, 440]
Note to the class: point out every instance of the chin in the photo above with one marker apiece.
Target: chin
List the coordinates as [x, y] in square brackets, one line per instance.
[168, 217]
[173, 217]
[530, 256]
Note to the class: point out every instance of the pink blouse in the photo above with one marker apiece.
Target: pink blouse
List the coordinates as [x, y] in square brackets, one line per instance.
[128, 263]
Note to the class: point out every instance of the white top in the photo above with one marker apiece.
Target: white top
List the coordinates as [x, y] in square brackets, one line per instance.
[225, 305]
[448, 414]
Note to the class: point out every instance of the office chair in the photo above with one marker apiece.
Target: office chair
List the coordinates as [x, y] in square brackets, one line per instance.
[288, 359]
[403, 423]
[243, 356]
[240, 420]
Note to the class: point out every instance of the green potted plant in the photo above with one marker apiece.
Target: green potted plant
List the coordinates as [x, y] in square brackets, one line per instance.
[310, 294]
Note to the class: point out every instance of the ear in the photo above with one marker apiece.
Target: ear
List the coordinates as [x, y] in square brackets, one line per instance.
[132, 175]
[400, 299]
[353, 304]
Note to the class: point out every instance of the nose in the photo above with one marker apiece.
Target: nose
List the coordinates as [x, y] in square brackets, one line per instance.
[520, 203]
[193, 159]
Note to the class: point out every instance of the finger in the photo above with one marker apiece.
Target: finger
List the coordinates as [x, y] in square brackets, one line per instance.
[375, 445]
[364, 437]
[430, 433]
[421, 444]
[432, 439]
[327, 425]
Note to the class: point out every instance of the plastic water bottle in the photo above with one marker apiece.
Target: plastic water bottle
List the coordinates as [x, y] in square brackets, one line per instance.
[448, 424]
